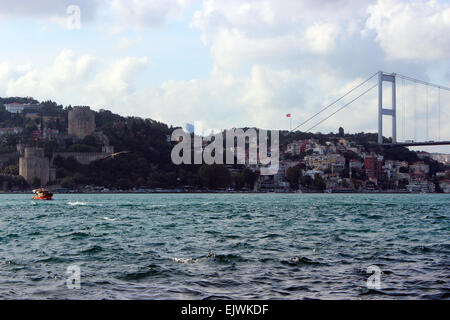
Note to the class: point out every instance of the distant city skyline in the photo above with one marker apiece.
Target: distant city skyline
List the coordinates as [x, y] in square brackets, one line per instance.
[227, 64]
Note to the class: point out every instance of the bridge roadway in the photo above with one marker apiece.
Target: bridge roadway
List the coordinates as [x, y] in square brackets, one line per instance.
[413, 144]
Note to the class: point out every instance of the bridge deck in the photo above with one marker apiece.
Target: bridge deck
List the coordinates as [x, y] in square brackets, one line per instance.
[413, 144]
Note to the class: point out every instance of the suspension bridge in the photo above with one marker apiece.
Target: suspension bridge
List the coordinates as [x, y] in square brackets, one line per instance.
[411, 114]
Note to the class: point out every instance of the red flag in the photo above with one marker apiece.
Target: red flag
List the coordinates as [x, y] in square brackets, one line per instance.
[288, 115]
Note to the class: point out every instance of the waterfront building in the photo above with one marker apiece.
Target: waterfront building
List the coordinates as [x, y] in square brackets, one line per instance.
[420, 187]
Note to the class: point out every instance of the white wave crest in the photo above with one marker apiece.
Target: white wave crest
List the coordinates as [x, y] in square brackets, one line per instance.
[77, 203]
[184, 260]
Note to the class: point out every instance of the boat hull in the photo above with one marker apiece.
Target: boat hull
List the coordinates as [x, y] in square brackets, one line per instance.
[46, 197]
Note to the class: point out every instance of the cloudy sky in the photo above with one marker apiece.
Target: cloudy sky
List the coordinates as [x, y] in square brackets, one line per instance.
[229, 63]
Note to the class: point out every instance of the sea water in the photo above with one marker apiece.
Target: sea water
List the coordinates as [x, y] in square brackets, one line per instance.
[225, 246]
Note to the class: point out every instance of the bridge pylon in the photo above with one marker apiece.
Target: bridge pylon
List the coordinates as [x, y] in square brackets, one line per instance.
[386, 77]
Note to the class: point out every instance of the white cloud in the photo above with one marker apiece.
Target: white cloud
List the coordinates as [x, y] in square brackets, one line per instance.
[269, 58]
[47, 8]
[222, 100]
[116, 14]
[126, 43]
[286, 34]
[116, 80]
[416, 30]
[79, 80]
[321, 38]
[144, 13]
[67, 72]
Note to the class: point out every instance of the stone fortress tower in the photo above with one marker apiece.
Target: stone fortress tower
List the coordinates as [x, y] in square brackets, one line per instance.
[33, 164]
[81, 122]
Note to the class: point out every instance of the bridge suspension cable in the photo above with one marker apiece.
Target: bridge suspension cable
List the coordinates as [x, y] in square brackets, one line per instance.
[422, 82]
[344, 106]
[334, 102]
[427, 104]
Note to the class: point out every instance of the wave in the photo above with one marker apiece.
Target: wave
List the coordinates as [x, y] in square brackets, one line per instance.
[93, 249]
[77, 203]
[217, 297]
[271, 236]
[185, 260]
[301, 261]
[75, 235]
[52, 260]
[228, 258]
[146, 272]
[194, 260]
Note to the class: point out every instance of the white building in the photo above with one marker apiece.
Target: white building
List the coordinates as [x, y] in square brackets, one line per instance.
[16, 107]
[445, 185]
[317, 161]
[312, 173]
[10, 131]
[420, 187]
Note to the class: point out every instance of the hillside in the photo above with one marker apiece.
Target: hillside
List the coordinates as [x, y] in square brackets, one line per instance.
[149, 165]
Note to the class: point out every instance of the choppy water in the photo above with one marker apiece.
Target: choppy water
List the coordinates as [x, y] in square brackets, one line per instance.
[239, 246]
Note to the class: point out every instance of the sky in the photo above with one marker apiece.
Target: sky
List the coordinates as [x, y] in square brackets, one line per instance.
[232, 63]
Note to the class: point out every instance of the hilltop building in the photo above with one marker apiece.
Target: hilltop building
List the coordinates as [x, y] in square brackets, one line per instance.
[16, 107]
[10, 131]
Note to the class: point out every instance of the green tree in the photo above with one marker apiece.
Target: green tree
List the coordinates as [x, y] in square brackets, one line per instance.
[293, 175]
[35, 182]
[68, 182]
[215, 176]
[12, 169]
[91, 141]
[239, 180]
[306, 181]
[318, 183]
[250, 177]
[81, 148]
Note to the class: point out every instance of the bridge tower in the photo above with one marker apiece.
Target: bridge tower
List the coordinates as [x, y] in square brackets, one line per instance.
[385, 77]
